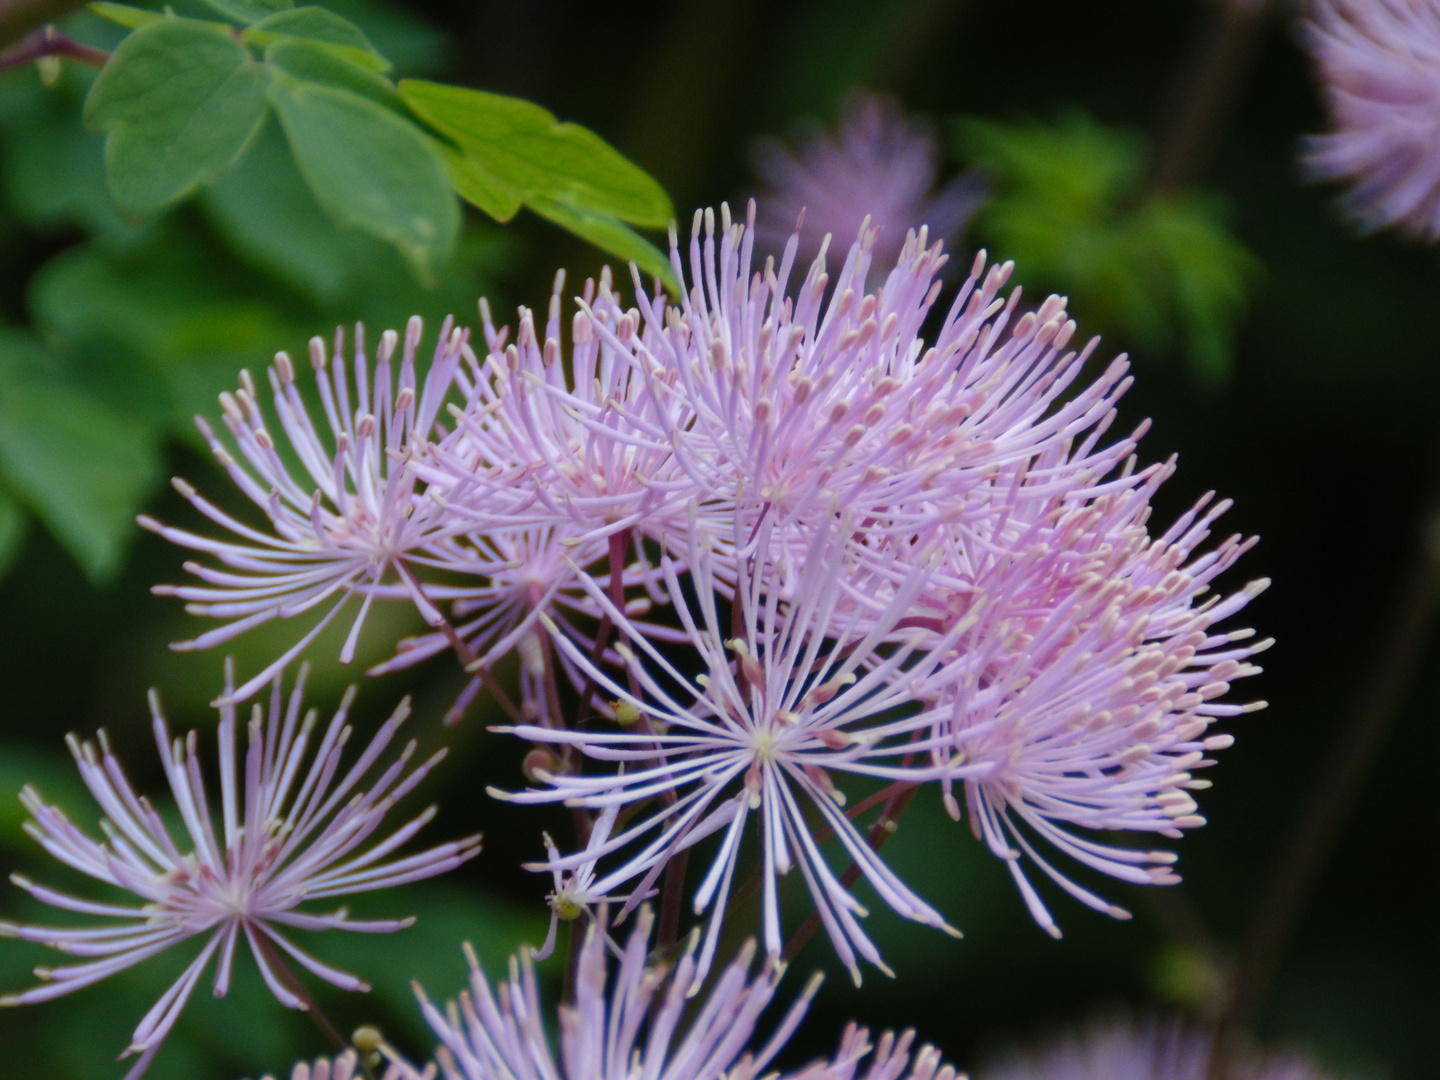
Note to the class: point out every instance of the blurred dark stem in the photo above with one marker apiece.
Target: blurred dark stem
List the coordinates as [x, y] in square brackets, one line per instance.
[19, 17]
[688, 93]
[1206, 88]
[1337, 786]
[927, 24]
[50, 42]
[282, 970]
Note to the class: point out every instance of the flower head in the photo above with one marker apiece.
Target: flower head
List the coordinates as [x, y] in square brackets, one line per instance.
[876, 165]
[1127, 1050]
[349, 520]
[287, 833]
[612, 1030]
[630, 1025]
[1379, 66]
[777, 711]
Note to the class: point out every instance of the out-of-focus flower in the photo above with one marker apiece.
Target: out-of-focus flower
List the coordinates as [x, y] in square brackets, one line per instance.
[349, 520]
[347, 1067]
[775, 713]
[287, 834]
[892, 1057]
[631, 1026]
[877, 165]
[1127, 1050]
[1379, 67]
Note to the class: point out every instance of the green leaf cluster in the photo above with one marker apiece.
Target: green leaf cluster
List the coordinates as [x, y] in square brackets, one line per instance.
[182, 102]
[135, 329]
[1070, 207]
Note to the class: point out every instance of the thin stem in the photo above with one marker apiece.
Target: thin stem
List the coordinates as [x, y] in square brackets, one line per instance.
[1203, 96]
[293, 984]
[462, 649]
[1336, 788]
[50, 42]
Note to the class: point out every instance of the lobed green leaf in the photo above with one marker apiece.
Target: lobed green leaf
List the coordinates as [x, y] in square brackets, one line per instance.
[524, 147]
[180, 100]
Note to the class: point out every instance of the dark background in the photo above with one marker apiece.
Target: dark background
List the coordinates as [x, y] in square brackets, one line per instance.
[1324, 436]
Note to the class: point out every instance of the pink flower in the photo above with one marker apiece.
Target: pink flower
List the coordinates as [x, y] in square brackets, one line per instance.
[501, 1036]
[777, 712]
[1379, 67]
[877, 166]
[640, 1023]
[287, 834]
[1125, 1050]
[1086, 687]
[585, 444]
[350, 521]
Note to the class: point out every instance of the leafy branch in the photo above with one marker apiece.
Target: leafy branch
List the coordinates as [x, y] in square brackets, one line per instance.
[182, 100]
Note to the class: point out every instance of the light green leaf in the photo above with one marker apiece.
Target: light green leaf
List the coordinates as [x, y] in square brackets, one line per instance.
[523, 146]
[180, 100]
[249, 11]
[1071, 208]
[311, 62]
[371, 169]
[124, 14]
[610, 235]
[13, 526]
[323, 27]
[82, 467]
[478, 185]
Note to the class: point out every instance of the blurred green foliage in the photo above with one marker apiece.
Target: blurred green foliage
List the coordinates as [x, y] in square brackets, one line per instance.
[1071, 208]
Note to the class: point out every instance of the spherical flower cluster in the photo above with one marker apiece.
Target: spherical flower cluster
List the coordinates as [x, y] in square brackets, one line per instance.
[635, 1021]
[888, 558]
[288, 833]
[1127, 1050]
[877, 163]
[1379, 68]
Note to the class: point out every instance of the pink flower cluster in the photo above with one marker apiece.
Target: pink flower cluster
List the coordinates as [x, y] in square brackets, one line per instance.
[1379, 68]
[771, 545]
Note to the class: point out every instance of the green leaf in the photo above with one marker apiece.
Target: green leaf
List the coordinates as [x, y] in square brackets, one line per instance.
[249, 11]
[82, 467]
[478, 185]
[610, 235]
[13, 526]
[371, 169]
[180, 100]
[524, 147]
[55, 174]
[1070, 207]
[124, 14]
[324, 28]
[315, 63]
[264, 209]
